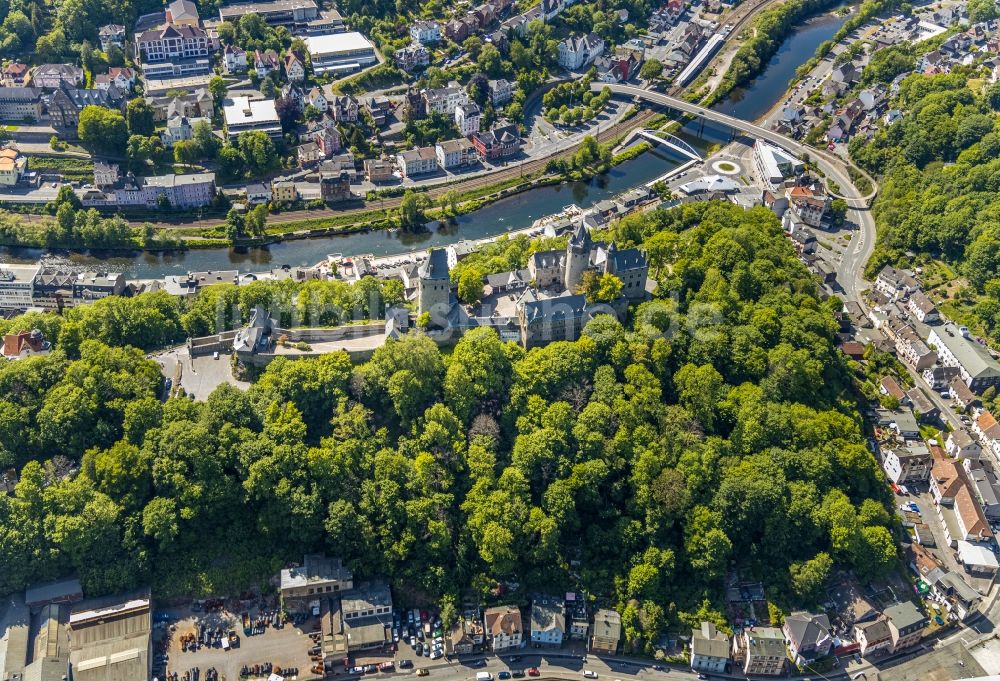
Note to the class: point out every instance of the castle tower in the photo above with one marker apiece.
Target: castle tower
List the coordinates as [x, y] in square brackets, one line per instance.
[434, 284]
[577, 257]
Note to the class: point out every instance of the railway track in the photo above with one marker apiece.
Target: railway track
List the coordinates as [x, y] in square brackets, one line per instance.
[522, 169]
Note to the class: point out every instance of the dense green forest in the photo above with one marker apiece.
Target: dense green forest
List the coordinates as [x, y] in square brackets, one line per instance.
[716, 429]
[939, 193]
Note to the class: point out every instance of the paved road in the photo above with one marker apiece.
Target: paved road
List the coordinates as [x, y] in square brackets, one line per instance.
[850, 272]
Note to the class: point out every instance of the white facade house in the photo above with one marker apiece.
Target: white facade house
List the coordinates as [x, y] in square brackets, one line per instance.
[425, 32]
[234, 59]
[467, 117]
[977, 367]
[180, 129]
[576, 52]
[709, 649]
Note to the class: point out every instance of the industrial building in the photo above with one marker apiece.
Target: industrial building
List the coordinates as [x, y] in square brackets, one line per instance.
[340, 52]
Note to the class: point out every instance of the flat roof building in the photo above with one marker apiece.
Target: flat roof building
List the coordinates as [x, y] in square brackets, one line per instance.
[367, 599]
[318, 575]
[243, 114]
[275, 12]
[17, 286]
[340, 52]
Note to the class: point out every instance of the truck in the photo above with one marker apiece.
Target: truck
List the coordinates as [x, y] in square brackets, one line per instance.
[484, 676]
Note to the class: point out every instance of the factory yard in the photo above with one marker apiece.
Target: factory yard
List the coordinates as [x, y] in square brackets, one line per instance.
[286, 647]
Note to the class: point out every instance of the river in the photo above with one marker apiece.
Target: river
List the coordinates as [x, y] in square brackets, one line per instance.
[515, 212]
[757, 97]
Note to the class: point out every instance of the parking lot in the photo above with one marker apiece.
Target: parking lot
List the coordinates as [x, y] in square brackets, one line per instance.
[286, 647]
[198, 376]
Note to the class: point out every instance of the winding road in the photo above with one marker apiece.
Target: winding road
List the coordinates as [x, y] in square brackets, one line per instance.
[850, 271]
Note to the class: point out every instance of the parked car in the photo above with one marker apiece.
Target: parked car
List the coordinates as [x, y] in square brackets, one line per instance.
[419, 648]
[406, 664]
[517, 673]
[589, 674]
[356, 670]
[436, 654]
[503, 675]
[422, 672]
[534, 672]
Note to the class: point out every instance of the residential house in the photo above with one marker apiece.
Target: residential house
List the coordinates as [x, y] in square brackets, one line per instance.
[378, 170]
[111, 35]
[258, 193]
[950, 589]
[503, 628]
[425, 32]
[379, 108]
[180, 128]
[579, 51]
[923, 308]
[308, 154]
[606, 632]
[234, 59]
[709, 649]
[106, 174]
[444, 100]
[907, 464]
[122, 78]
[906, 625]
[412, 58]
[497, 144]
[417, 161]
[343, 108]
[327, 140]
[960, 444]
[978, 369]
[940, 377]
[458, 642]
[455, 153]
[889, 386]
[335, 186]
[316, 98]
[985, 487]
[760, 651]
[809, 636]
[577, 612]
[809, 203]
[15, 74]
[873, 637]
[197, 104]
[467, 118]
[25, 344]
[501, 91]
[895, 283]
[284, 191]
[295, 68]
[13, 166]
[986, 428]
[548, 620]
[960, 393]
[846, 74]
[264, 62]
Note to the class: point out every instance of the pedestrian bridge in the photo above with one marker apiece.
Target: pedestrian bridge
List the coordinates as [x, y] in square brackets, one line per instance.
[671, 142]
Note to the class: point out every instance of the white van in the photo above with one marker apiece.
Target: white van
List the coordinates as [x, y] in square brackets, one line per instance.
[484, 676]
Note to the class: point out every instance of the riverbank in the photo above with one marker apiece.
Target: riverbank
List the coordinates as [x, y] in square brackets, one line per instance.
[766, 35]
